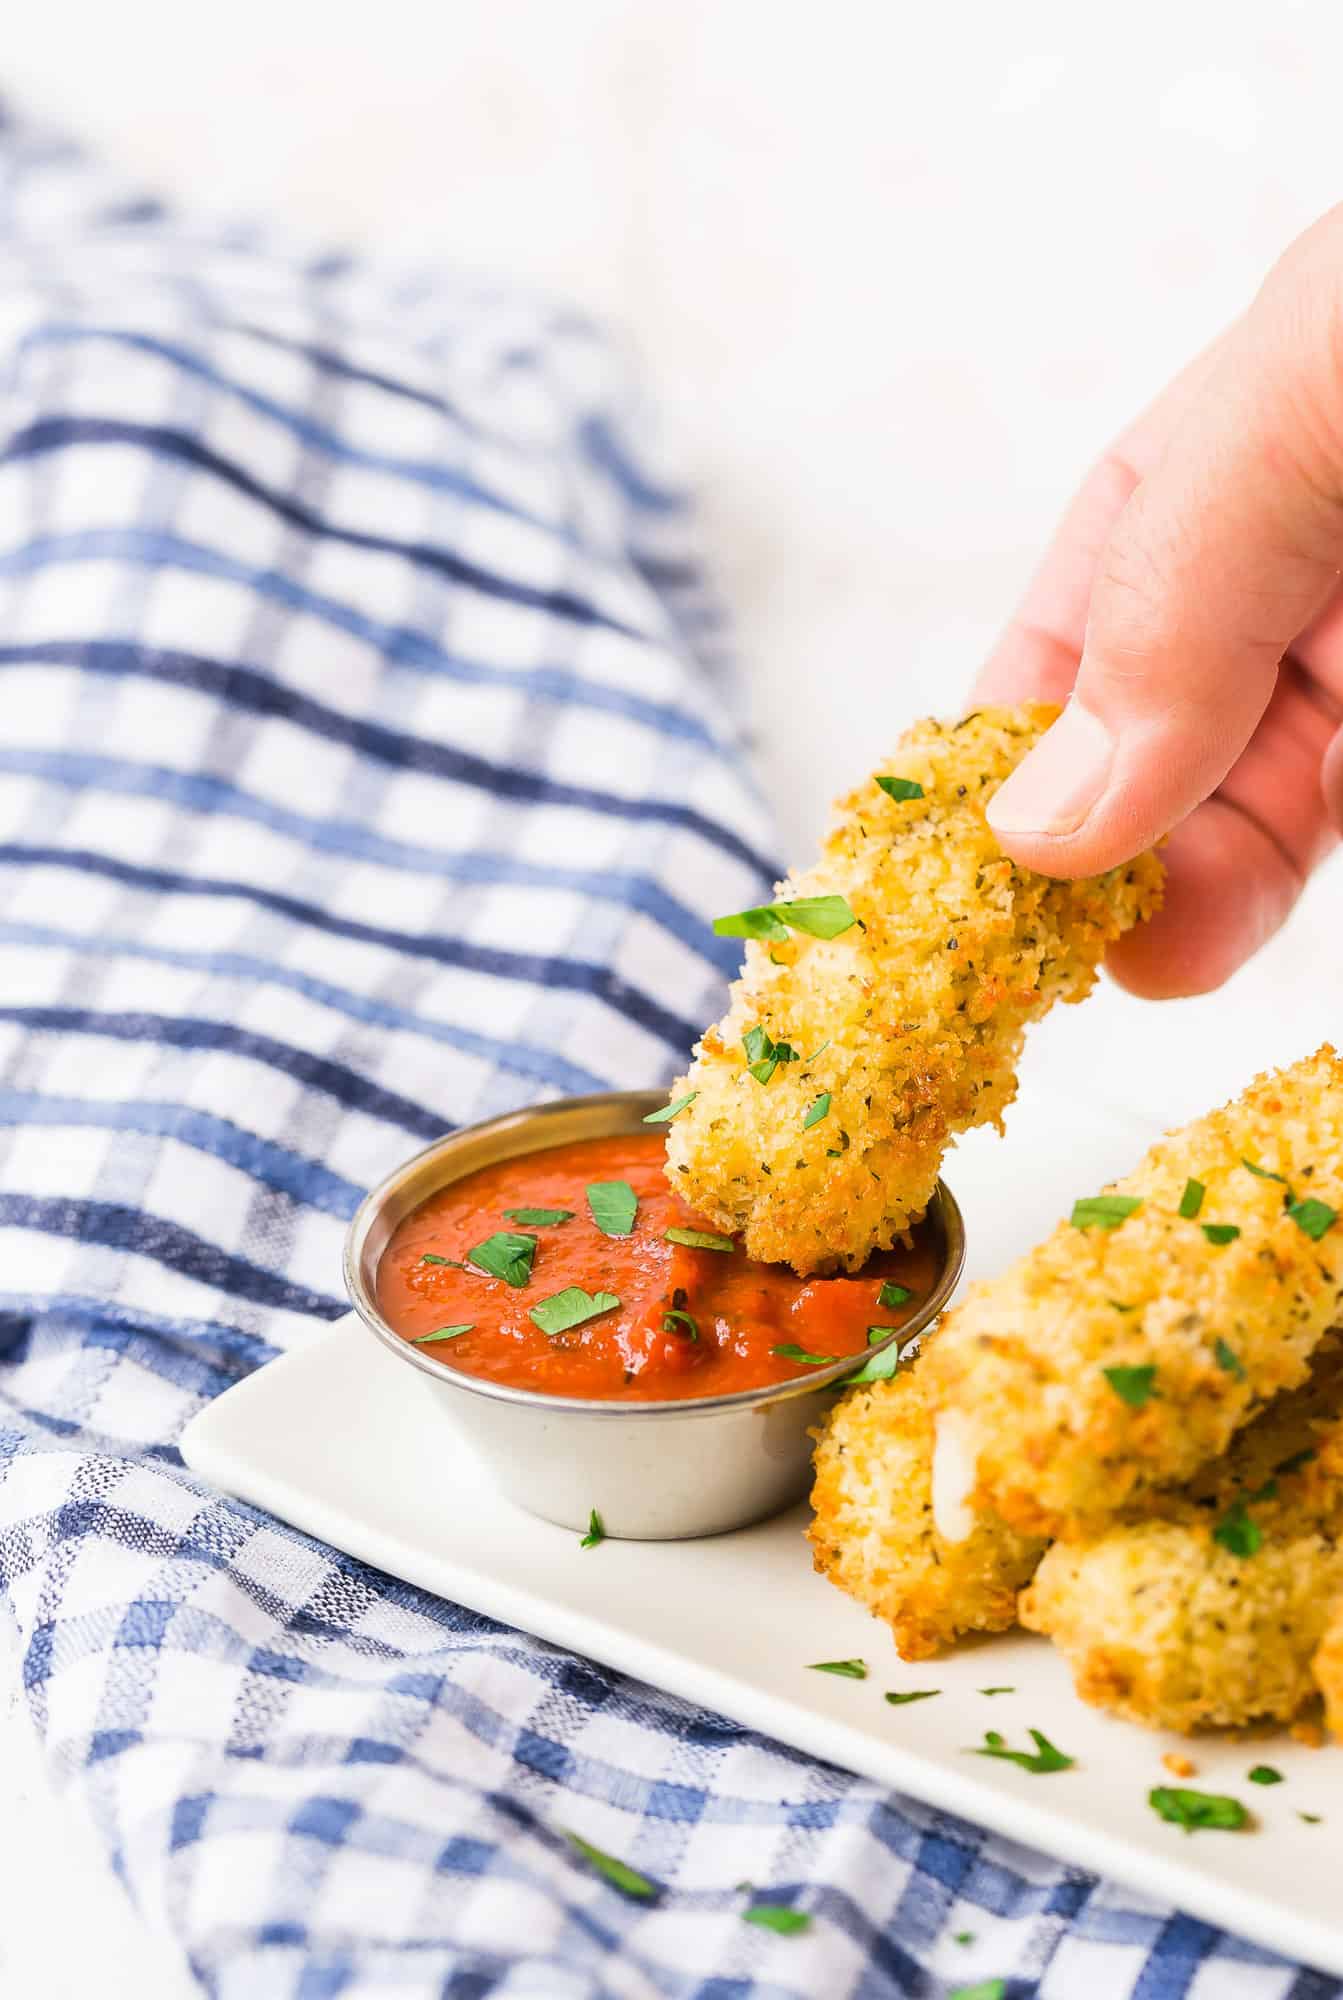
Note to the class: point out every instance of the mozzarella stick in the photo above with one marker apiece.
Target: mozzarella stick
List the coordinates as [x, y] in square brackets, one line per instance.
[1328, 1670]
[883, 1002]
[1211, 1613]
[873, 1533]
[1125, 1351]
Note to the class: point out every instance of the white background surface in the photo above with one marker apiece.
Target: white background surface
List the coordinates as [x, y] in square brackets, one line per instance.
[896, 273]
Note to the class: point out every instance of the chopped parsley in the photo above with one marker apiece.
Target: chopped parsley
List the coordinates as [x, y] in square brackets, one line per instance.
[963, 1937]
[1237, 1532]
[878, 1367]
[571, 1307]
[596, 1532]
[790, 1351]
[1263, 1173]
[699, 1239]
[816, 1111]
[442, 1333]
[996, 1690]
[1221, 1232]
[1314, 1217]
[1040, 1761]
[430, 1258]
[1134, 1386]
[506, 1254]
[678, 1321]
[764, 1054]
[1191, 1201]
[818, 916]
[539, 1218]
[848, 1670]
[1190, 1810]
[983, 1989]
[1227, 1358]
[912, 1694]
[777, 1917]
[618, 1873]
[671, 1110]
[892, 1294]
[1311, 1819]
[1265, 1774]
[1104, 1211]
[901, 788]
[614, 1205]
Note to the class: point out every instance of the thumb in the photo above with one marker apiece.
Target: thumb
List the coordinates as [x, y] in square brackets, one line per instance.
[1223, 552]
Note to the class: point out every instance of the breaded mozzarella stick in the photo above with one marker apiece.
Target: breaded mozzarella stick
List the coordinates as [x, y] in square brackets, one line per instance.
[1210, 1614]
[883, 1002]
[873, 1534]
[1125, 1351]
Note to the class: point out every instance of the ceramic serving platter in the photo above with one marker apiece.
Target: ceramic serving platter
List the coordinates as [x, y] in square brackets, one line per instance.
[340, 1440]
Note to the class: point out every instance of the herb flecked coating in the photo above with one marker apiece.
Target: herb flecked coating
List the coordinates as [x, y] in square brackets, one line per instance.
[1163, 1623]
[1030, 1368]
[922, 1006]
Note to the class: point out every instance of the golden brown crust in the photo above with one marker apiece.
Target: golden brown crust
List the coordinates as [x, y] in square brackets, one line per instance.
[1327, 1669]
[912, 1023]
[1055, 1450]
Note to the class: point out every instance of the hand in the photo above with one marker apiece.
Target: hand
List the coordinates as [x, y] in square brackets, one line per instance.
[1189, 611]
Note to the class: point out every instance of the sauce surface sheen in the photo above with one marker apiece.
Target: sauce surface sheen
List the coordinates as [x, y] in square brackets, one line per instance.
[740, 1310]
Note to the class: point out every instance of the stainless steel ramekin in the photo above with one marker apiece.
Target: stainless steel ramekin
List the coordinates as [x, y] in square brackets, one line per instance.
[653, 1471]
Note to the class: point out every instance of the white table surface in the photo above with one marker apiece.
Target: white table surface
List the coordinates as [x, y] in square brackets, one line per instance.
[895, 274]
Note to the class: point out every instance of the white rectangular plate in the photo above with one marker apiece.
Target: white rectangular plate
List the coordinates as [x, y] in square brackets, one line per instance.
[338, 1440]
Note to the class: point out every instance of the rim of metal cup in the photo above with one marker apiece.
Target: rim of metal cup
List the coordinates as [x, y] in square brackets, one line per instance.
[531, 1130]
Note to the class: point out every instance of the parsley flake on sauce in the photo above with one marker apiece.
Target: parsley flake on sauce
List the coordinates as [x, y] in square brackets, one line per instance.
[430, 1258]
[777, 1917]
[819, 916]
[818, 1109]
[618, 1873]
[1191, 1201]
[677, 1320]
[1313, 1217]
[1237, 1532]
[699, 1239]
[614, 1206]
[1220, 1232]
[912, 1694]
[878, 1367]
[506, 1254]
[1265, 1774]
[790, 1351]
[671, 1110]
[442, 1333]
[596, 1532]
[539, 1218]
[1040, 1761]
[892, 1294]
[1191, 1810]
[571, 1307]
[901, 788]
[764, 1054]
[1104, 1211]
[848, 1670]
[1134, 1386]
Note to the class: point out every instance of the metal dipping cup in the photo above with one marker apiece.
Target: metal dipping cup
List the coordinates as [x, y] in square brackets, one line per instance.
[654, 1472]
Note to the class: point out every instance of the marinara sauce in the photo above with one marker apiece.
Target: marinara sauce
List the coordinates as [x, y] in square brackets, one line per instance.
[689, 1321]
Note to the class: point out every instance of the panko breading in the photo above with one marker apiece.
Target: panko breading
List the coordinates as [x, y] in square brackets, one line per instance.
[1202, 1332]
[1210, 1614]
[910, 1022]
[873, 1534]
[1328, 1671]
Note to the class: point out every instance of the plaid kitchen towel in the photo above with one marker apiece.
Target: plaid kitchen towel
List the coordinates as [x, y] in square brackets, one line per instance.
[368, 766]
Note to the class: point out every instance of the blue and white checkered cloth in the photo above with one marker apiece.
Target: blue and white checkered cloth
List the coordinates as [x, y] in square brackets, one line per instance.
[367, 766]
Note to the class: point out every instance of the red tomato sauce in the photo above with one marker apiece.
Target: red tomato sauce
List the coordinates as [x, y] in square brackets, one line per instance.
[735, 1313]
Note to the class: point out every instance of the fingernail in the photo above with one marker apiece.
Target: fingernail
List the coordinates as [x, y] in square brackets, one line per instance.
[1058, 784]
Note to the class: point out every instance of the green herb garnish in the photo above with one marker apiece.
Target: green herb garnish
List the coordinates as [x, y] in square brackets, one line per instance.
[1120, 1307]
[1296, 1461]
[818, 916]
[442, 1333]
[848, 1670]
[614, 1205]
[1227, 1358]
[699, 1239]
[1314, 1217]
[912, 1694]
[430, 1258]
[983, 1989]
[596, 1532]
[777, 1917]
[892, 1294]
[901, 788]
[1266, 1774]
[539, 1218]
[878, 1367]
[1134, 1386]
[684, 1323]
[790, 1351]
[1197, 1809]
[1263, 1173]
[1040, 1761]
[505, 1255]
[1104, 1211]
[816, 1111]
[1002, 1690]
[618, 1873]
[1220, 1232]
[1311, 1819]
[571, 1307]
[764, 1054]
[1237, 1532]
[1191, 1201]
[671, 1110]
